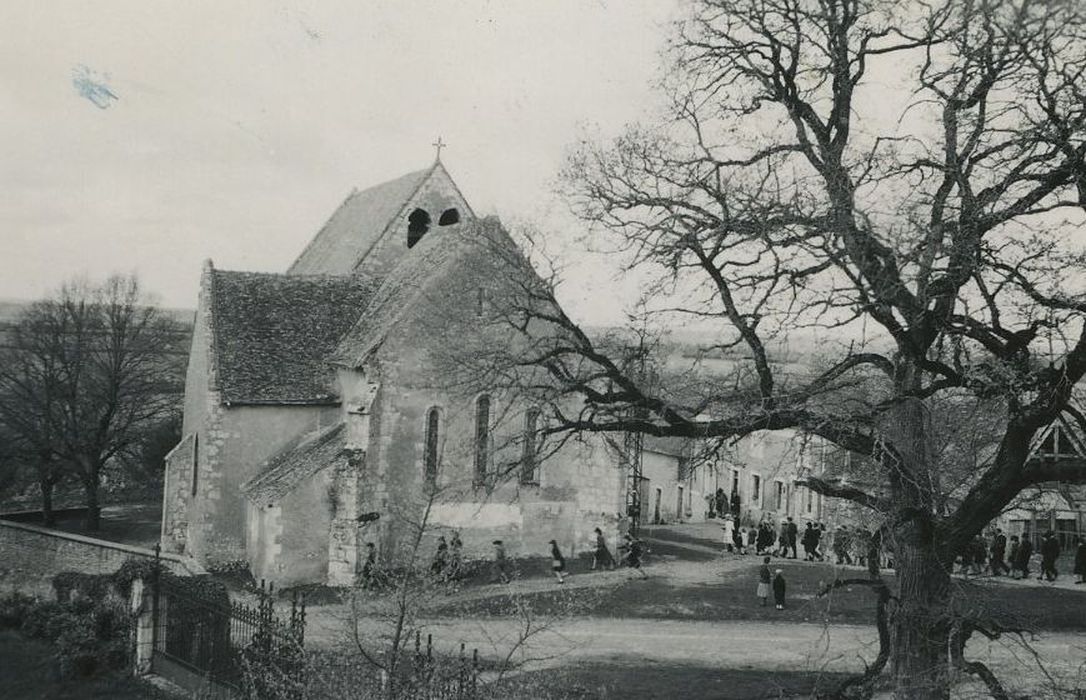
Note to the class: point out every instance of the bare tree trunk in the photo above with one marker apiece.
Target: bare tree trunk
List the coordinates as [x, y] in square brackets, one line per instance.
[48, 518]
[920, 629]
[92, 518]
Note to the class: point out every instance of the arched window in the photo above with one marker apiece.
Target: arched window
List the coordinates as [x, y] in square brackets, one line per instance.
[529, 473]
[482, 437]
[433, 427]
[449, 217]
[418, 223]
[195, 461]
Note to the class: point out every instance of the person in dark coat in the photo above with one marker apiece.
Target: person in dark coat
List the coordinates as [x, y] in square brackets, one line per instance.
[558, 562]
[793, 535]
[441, 557]
[1050, 552]
[1080, 560]
[778, 589]
[368, 577]
[1012, 557]
[601, 556]
[501, 563]
[809, 542]
[1025, 553]
[633, 550]
[998, 552]
[456, 557]
[738, 540]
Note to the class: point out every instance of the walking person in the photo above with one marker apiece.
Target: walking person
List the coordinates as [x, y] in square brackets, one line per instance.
[441, 556]
[1050, 552]
[729, 533]
[764, 581]
[778, 589]
[1012, 557]
[456, 557]
[501, 564]
[738, 538]
[1080, 560]
[1025, 553]
[368, 577]
[809, 542]
[601, 556]
[558, 562]
[998, 551]
[793, 535]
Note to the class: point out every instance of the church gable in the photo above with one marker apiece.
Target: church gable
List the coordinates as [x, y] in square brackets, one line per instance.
[373, 229]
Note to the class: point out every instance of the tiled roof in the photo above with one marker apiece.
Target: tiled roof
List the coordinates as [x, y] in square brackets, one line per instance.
[296, 463]
[407, 281]
[357, 225]
[272, 333]
[673, 446]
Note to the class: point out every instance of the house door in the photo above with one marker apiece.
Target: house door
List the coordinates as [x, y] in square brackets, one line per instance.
[656, 507]
[679, 507]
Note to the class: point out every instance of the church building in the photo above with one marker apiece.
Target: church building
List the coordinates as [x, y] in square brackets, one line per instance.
[324, 410]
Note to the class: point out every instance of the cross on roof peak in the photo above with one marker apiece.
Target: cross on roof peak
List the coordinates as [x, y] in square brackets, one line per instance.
[439, 144]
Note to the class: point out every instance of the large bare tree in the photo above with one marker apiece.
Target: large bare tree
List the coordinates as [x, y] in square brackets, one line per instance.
[87, 373]
[907, 174]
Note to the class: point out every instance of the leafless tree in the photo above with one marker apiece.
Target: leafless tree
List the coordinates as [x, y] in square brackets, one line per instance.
[85, 376]
[907, 175]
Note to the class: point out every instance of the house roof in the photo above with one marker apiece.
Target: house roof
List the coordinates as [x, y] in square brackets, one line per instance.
[357, 225]
[299, 461]
[272, 333]
[406, 283]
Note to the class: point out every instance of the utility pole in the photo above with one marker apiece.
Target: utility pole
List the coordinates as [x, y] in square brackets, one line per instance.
[634, 447]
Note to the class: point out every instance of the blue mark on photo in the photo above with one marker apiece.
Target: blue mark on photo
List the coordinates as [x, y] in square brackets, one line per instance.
[92, 86]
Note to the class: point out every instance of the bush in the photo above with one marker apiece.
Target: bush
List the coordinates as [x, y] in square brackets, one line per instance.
[47, 620]
[14, 609]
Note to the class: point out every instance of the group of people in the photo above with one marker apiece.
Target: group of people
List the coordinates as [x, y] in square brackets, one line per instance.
[448, 562]
[849, 545]
[1001, 556]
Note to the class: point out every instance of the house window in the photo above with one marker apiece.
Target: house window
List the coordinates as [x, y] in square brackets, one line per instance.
[449, 217]
[780, 495]
[755, 489]
[433, 426]
[735, 481]
[810, 500]
[195, 461]
[482, 437]
[418, 223]
[530, 460]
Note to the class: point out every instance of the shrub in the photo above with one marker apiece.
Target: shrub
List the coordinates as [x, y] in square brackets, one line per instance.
[14, 609]
[47, 620]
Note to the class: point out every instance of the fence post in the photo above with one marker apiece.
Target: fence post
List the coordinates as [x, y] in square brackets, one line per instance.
[474, 672]
[460, 675]
[155, 594]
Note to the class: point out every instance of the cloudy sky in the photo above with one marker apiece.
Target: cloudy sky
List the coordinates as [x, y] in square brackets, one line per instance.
[149, 136]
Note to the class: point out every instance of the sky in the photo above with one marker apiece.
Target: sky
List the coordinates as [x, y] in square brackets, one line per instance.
[147, 137]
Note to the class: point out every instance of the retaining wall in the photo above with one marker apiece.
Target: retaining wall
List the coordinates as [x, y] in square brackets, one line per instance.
[31, 555]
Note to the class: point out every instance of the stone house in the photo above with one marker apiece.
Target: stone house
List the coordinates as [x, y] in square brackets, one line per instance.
[321, 411]
[679, 478]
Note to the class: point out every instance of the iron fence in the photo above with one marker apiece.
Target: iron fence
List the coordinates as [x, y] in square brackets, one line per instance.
[224, 646]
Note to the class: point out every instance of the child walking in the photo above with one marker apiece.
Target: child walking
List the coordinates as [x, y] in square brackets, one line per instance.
[558, 562]
[763, 581]
[778, 589]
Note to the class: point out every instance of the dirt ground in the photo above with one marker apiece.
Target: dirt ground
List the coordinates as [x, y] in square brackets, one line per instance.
[616, 634]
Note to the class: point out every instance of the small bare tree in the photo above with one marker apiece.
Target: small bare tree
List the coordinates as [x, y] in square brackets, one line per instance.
[86, 374]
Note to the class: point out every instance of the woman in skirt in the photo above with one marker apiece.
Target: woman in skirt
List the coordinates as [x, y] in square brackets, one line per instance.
[602, 555]
[558, 562]
[764, 579]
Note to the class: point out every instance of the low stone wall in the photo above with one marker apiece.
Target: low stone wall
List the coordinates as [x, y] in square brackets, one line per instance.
[31, 555]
